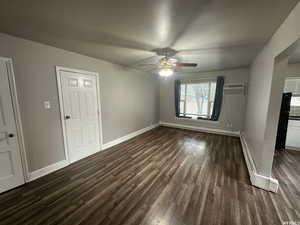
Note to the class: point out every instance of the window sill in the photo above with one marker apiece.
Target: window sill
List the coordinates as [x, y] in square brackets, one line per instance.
[197, 120]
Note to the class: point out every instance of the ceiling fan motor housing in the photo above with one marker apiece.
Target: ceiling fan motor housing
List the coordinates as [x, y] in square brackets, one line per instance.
[167, 52]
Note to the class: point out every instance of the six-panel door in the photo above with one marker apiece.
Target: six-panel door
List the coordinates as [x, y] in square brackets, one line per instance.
[81, 117]
[11, 174]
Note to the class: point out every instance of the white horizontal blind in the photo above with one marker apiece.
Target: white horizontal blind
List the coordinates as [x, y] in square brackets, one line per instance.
[197, 99]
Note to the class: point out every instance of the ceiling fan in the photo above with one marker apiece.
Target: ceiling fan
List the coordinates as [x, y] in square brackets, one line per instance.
[167, 64]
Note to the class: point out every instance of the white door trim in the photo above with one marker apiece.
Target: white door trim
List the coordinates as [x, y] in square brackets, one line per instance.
[61, 107]
[17, 115]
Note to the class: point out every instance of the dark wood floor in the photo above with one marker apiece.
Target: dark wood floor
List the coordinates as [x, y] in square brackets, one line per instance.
[286, 169]
[163, 177]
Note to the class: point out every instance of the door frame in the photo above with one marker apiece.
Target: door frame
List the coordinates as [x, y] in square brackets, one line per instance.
[61, 106]
[17, 116]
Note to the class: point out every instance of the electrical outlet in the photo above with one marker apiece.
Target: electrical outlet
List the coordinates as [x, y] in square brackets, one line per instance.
[228, 124]
[47, 105]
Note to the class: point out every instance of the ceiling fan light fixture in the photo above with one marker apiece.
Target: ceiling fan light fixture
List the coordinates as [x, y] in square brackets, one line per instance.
[166, 72]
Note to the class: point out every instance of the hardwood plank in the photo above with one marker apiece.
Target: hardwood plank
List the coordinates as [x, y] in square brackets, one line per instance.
[165, 176]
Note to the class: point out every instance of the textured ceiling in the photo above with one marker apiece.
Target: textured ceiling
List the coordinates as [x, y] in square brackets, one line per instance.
[224, 33]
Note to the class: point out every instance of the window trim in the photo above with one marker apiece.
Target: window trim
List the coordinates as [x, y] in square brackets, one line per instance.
[196, 120]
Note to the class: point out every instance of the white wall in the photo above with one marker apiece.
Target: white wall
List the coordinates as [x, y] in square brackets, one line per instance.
[293, 70]
[233, 107]
[129, 99]
[259, 101]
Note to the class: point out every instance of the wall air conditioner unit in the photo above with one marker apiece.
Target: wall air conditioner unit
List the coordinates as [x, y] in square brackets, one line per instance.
[235, 89]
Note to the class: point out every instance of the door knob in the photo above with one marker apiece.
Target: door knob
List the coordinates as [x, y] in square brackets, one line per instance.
[11, 135]
[67, 117]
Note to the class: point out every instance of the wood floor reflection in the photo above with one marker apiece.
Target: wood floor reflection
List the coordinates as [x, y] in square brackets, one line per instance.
[286, 169]
[163, 177]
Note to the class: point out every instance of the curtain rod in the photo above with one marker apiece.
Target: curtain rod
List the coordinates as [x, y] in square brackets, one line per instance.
[199, 79]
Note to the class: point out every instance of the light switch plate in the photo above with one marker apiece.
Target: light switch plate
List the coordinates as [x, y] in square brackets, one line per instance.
[47, 105]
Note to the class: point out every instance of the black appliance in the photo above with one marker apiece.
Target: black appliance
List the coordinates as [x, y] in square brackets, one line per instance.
[283, 120]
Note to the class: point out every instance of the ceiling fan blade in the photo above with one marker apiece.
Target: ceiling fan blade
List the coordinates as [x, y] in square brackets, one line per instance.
[147, 64]
[186, 64]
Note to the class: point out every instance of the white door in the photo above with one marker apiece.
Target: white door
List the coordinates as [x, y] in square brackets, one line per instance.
[11, 174]
[81, 113]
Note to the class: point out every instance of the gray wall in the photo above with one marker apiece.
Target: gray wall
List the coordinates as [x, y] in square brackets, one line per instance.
[233, 108]
[129, 99]
[293, 70]
[260, 100]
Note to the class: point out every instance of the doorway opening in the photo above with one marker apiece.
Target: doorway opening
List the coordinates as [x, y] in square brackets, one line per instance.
[288, 133]
[286, 118]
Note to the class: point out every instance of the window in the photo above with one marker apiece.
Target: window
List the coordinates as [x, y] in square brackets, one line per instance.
[292, 85]
[295, 101]
[197, 99]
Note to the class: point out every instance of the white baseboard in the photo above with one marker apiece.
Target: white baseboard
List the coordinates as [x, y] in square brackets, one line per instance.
[201, 129]
[266, 183]
[263, 182]
[128, 136]
[56, 166]
[48, 169]
[292, 148]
